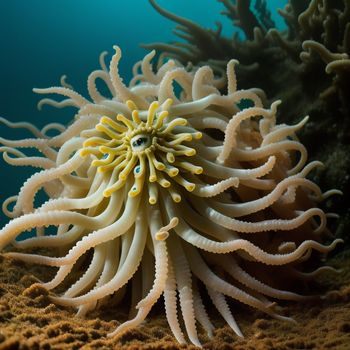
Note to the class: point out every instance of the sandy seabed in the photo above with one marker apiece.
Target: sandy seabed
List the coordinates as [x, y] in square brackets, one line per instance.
[28, 320]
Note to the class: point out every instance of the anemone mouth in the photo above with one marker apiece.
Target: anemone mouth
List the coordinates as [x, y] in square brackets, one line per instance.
[156, 149]
[140, 142]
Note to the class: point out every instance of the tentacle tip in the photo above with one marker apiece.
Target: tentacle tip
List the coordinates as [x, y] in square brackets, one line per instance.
[338, 241]
[117, 49]
[169, 101]
[161, 235]
[173, 173]
[276, 104]
[272, 160]
[99, 127]
[152, 200]
[190, 188]
[174, 221]
[190, 153]
[176, 199]
[154, 104]
[319, 163]
[152, 178]
[107, 193]
[112, 334]
[306, 118]
[233, 62]
[104, 119]
[160, 167]
[165, 184]
[131, 105]
[210, 334]
[83, 153]
[196, 343]
[198, 135]
[133, 193]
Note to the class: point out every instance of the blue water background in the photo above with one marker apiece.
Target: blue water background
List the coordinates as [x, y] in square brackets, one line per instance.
[40, 40]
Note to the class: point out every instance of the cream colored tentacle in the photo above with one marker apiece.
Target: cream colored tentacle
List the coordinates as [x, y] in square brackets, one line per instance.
[50, 241]
[91, 273]
[79, 100]
[184, 286]
[91, 83]
[57, 127]
[161, 260]
[22, 125]
[105, 218]
[282, 132]
[202, 271]
[221, 305]
[121, 90]
[222, 172]
[33, 184]
[231, 266]
[265, 151]
[208, 123]
[166, 89]
[73, 130]
[262, 226]
[74, 203]
[100, 236]
[23, 160]
[249, 207]
[201, 313]
[213, 190]
[57, 104]
[170, 302]
[109, 269]
[42, 145]
[230, 141]
[147, 70]
[201, 83]
[122, 276]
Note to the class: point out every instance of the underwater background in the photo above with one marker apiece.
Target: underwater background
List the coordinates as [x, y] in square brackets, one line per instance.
[42, 40]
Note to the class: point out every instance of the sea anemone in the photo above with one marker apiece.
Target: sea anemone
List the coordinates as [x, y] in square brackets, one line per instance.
[173, 187]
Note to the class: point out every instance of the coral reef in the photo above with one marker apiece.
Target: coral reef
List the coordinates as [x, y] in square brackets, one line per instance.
[172, 186]
[307, 66]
